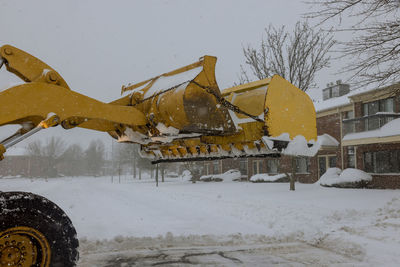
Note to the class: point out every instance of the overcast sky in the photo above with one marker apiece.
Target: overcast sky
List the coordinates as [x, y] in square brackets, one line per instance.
[97, 46]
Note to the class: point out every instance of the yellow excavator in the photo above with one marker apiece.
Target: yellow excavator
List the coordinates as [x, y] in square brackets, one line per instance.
[177, 116]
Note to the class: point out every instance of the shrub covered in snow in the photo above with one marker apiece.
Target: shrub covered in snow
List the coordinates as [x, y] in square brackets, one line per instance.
[186, 175]
[231, 175]
[265, 178]
[348, 178]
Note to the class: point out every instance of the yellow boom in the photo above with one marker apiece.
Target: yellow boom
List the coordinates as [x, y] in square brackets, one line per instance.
[177, 116]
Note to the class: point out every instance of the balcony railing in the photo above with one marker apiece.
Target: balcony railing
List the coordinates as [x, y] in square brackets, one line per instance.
[368, 123]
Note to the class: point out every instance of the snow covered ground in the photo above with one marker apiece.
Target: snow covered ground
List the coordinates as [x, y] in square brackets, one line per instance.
[338, 226]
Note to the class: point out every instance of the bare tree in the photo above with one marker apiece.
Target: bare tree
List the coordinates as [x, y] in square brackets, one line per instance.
[374, 49]
[50, 152]
[94, 157]
[72, 161]
[35, 148]
[295, 56]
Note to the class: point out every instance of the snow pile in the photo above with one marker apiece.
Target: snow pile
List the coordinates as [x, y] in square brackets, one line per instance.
[264, 177]
[360, 224]
[389, 129]
[186, 176]
[163, 129]
[299, 147]
[229, 176]
[348, 178]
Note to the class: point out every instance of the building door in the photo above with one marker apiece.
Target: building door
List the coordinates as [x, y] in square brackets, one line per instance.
[325, 162]
[257, 166]
[321, 166]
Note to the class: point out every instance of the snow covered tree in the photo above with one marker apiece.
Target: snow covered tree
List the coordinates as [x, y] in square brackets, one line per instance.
[295, 56]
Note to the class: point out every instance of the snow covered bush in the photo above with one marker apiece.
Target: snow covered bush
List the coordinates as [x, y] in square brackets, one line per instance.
[265, 178]
[231, 175]
[211, 178]
[348, 178]
[186, 175]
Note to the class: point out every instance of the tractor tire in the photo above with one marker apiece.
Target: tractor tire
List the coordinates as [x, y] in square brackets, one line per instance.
[35, 232]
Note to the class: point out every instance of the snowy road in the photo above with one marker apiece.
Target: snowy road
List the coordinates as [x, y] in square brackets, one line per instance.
[282, 254]
[240, 223]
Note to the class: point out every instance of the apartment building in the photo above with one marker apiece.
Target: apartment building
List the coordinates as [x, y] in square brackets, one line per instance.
[357, 129]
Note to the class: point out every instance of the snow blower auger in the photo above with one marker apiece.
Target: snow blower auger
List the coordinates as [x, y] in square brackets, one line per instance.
[177, 116]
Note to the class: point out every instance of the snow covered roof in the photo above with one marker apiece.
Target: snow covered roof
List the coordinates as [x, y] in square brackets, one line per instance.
[390, 129]
[332, 103]
[326, 140]
[16, 151]
[322, 105]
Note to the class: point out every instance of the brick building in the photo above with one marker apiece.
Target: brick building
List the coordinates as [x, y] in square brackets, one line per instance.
[356, 129]
[18, 163]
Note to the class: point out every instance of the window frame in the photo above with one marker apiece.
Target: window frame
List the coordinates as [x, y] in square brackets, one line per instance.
[382, 161]
[245, 163]
[274, 161]
[306, 160]
[257, 164]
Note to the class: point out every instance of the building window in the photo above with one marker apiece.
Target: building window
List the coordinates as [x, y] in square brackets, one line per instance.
[382, 161]
[335, 91]
[257, 166]
[351, 157]
[243, 166]
[348, 114]
[216, 167]
[207, 168]
[326, 93]
[272, 165]
[325, 162]
[332, 161]
[372, 108]
[302, 164]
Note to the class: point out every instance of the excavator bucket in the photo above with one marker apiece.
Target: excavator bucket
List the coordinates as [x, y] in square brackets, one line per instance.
[266, 114]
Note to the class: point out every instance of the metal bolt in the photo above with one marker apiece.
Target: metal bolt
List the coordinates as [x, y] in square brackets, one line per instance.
[52, 76]
[8, 51]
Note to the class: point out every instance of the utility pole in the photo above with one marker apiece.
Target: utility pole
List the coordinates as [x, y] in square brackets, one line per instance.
[157, 174]
[112, 160]
[134, 165]
[162, 172]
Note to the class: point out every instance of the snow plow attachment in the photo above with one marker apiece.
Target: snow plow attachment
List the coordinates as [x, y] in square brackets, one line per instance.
[267, 115]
